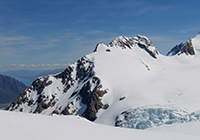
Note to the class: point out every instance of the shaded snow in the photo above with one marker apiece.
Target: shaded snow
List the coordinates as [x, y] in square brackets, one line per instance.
[22, 126]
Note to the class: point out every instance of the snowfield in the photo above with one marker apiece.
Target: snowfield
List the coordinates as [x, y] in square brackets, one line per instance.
[170, 83]
[126, 83]
[23, 126]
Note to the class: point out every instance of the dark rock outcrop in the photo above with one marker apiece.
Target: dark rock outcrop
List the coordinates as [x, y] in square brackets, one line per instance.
[77, 84]
[146, 44]
[123, 42]
[140, 41]
[175, 50]
[183, 48]
[188, 48]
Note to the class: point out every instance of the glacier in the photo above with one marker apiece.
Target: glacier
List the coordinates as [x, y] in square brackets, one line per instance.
[126, 83]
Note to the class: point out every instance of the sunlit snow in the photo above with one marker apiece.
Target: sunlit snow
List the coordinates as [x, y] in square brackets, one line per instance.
[22, 126]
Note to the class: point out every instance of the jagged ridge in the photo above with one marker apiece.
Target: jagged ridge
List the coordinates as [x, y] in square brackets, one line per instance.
[77, 84]
[129, 43]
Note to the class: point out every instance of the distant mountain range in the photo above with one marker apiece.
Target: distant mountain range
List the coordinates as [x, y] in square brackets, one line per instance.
[28, 76]
[126, 83]
[10, 89]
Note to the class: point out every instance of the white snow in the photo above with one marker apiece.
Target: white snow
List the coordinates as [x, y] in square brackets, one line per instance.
[170, 83]
[196, 42]
[22, 126]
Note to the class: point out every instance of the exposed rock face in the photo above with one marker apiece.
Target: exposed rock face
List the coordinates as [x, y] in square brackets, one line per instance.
[140, 41]
[182, 48]
[123, 42]
[175, 50]
[74, 91]
[109, 83]
[146, 44]
[188, 48]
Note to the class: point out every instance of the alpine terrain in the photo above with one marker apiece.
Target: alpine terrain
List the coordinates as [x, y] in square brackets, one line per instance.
[10, 89]
[126, 83]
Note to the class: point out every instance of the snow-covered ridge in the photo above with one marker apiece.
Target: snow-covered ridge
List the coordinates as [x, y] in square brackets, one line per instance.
[127, 74]
[70, 92]
[129, 43]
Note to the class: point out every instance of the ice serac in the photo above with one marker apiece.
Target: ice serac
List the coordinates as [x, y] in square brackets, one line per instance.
[138, 41]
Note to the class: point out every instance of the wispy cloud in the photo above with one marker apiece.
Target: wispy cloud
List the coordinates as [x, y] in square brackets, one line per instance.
[95, 32]
[13, 40]
[195, 29]
[31, 67]
[27, 43]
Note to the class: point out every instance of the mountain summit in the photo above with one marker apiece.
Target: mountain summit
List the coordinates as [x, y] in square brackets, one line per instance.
[126, 83]
[130, 43]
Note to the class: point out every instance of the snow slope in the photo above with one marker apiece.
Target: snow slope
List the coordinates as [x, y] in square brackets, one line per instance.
[145, 82]
[22, 126]
[127, 83]
[196, 42]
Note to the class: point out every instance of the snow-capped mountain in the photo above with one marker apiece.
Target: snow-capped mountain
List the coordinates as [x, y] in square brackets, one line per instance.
[141, 41]
[189, 48]
[126, 83]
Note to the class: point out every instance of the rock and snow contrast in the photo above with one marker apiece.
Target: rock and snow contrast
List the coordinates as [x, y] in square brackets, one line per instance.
[126, 83]
[189, 48]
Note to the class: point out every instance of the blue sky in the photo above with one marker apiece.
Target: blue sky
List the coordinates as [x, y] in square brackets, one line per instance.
[52, 33]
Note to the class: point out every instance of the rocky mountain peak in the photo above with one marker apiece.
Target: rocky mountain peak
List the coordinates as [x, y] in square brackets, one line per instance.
[188, 48]
[139, 41]
[123, 42]
[99, 46]
[146, 44]
[183, 48]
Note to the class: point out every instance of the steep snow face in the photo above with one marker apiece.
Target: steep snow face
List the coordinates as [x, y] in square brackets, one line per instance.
[118, 83]
[196, 42]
